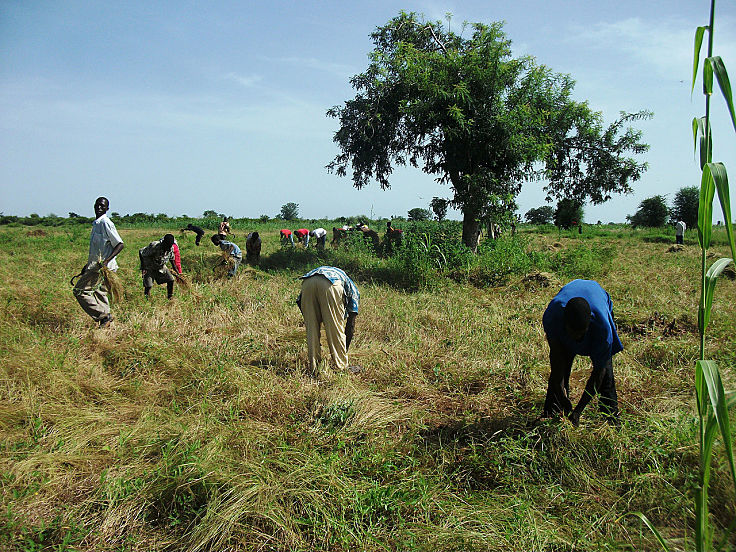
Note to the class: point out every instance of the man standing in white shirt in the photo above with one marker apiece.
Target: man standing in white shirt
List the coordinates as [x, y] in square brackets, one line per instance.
[680, 232]
[104, 245]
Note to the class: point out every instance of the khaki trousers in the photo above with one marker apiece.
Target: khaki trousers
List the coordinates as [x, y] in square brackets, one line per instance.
[324, 303]
[91, 294]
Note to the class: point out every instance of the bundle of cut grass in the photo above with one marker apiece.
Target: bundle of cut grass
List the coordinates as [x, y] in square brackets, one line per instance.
[112, 283]
[183, 281]
[225, 265]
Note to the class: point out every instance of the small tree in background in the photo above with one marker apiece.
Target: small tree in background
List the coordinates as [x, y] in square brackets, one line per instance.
[417, 213]
[289, 211]
[685, 206]
[569, 212]
[540, 215]
[653, 213]
[439, 206]
[209, 214]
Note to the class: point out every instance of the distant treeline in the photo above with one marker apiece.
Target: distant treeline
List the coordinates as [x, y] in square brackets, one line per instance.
[209, 221]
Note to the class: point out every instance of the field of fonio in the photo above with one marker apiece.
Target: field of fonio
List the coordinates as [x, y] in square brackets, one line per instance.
[193, 425]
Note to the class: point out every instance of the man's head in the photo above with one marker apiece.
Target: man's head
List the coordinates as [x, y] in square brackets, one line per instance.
[168, 241]
[254, 236]
[577, 318]
[216, 239]
[101, 206]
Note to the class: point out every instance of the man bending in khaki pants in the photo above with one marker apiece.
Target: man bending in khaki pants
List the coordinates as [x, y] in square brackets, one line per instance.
[329, 297]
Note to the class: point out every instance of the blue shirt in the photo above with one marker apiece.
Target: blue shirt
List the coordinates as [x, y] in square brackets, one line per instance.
[333, 274]
[601, 341]
[225, 246]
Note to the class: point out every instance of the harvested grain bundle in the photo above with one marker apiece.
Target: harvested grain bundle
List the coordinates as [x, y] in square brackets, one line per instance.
[224, 265]
[112, 282]
[183, 281]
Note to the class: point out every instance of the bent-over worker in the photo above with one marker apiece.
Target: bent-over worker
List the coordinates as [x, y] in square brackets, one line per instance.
[579, 321]
[329, 297]
[153, 260]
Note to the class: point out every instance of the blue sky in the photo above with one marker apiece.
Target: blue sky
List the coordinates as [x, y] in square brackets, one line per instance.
[179, 107]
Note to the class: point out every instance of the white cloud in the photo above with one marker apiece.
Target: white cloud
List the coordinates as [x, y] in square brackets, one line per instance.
[248, 81]
[339, 70]
[664, 45]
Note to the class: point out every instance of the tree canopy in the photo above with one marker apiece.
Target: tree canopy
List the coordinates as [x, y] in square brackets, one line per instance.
[685, 206]
[417, 213]
[652, 212]
[466, 111]
[289, 211]
[439, 206]
[540, 215]
[569, 212]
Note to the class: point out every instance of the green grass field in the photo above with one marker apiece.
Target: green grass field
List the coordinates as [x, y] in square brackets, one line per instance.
[193, 425]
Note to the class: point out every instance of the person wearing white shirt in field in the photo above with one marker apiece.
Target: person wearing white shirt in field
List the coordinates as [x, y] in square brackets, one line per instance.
[320, 234]
[104, 245]
[680, 228]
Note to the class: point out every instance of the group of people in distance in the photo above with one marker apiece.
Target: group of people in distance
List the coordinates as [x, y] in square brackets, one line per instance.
[578, 320]
[302, 236]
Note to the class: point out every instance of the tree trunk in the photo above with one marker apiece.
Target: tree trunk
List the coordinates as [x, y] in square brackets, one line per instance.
[471, 230]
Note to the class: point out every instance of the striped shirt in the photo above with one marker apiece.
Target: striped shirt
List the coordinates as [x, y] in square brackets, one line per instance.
[333, 274]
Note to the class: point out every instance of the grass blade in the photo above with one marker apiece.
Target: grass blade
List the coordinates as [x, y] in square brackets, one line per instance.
[712, 377]
[719, 68]
[711, 277]
[696, 126]
[720, 179]
[653, 529]
[707, 77]
[699, 32]
[705, 207]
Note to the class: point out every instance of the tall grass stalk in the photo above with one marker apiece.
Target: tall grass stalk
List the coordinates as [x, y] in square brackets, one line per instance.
[710, 395]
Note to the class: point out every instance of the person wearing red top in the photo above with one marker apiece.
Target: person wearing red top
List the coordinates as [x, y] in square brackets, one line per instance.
[177, 257]
[287, 236]
[302, 236]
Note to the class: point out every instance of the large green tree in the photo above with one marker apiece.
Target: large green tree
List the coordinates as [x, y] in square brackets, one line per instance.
[540, 215]
[463, 109]
[569, 212]
[685, 206]
[652, 212]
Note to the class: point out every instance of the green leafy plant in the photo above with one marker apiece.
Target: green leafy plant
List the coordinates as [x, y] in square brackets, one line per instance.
[711, 397]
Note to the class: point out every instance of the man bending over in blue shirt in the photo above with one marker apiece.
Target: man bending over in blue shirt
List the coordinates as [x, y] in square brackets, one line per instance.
[579, 321]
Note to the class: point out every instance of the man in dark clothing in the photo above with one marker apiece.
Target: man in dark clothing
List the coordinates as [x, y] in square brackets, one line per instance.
[253, 248]
[153, 259]
[197, 230]
[579, 321]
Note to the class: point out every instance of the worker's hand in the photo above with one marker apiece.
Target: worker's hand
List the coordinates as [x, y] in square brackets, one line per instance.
[143, 271]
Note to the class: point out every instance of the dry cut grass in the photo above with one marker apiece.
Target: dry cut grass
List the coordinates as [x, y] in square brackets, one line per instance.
[194, 425]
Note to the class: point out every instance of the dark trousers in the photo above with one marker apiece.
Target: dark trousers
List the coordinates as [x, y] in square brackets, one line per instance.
[679, 240]
[558, 388]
